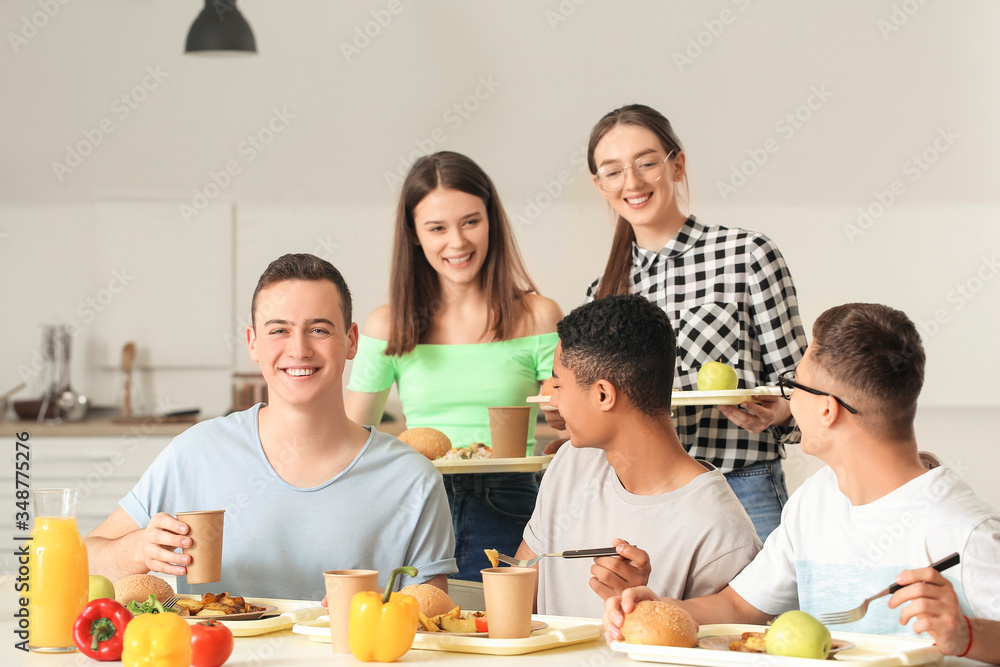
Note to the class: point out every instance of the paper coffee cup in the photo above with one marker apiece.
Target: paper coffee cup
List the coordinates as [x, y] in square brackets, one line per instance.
[205, 531]
[510, 595]
[341, 585]
[509, 431]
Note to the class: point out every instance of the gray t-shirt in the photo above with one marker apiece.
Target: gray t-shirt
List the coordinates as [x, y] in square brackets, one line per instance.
[388, 508]
[698, 537]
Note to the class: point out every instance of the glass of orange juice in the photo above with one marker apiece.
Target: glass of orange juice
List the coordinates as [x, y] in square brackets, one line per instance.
[58, 577]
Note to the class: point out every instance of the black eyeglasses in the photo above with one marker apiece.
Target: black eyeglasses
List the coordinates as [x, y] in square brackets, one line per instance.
[785, 381]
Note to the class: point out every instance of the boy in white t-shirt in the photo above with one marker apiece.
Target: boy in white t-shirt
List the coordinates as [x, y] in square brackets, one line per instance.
[875, 514]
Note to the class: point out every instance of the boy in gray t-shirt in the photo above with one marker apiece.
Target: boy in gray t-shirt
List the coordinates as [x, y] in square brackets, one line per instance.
[626, 479]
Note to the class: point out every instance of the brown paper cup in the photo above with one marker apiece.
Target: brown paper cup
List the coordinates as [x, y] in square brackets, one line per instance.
[205, 531]
[509, 431]
[510, 595]
[341, 585]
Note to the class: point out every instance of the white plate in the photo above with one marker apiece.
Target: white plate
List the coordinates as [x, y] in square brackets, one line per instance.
[722, 642]
[281, 615]
[869, 651]
[561, 631]
[722, 397]
[466, 466]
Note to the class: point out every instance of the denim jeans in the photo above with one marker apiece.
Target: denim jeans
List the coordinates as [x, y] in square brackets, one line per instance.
[761, 489]
[489, 511]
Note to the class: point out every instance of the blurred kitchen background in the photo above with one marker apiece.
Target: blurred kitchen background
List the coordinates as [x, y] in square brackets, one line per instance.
[143, 191]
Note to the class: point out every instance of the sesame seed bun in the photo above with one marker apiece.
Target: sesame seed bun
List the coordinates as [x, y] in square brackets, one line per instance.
[430, 442]
[548, 387]
[138, 587]
[661, 624]
[432, 600]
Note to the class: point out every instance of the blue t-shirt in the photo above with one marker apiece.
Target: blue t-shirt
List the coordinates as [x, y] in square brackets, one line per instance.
[387, 508]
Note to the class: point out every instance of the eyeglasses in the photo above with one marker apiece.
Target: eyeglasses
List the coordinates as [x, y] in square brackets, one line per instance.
[785, 381]
[649, 168]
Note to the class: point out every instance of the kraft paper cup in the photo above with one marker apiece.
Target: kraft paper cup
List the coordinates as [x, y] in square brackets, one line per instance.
[509, 431]
[205, 531]
[510, 595]
[341, 585]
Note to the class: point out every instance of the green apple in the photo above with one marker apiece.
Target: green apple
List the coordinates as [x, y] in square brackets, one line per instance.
[798, 635]
[101, 587]
[717, 376]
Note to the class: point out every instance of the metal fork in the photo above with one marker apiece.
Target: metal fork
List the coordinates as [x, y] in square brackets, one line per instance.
[171, 601]
[580, 553]
[858, 612]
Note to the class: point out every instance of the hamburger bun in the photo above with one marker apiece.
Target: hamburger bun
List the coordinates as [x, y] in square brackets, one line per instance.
[430, 442]
[138, 588]
[661, 624]
[548, 387]
[432, 600]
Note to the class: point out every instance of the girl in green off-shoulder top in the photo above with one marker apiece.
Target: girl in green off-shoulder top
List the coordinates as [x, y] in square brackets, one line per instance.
[464, 329]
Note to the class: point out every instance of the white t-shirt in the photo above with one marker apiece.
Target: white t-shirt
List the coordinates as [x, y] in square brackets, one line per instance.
[828, 556]
[698, 537]
[387, 508]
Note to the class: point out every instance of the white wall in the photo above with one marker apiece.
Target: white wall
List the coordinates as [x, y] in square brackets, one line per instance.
[889, 84]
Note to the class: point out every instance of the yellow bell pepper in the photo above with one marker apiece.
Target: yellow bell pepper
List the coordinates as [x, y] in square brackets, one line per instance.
[382, 627]
[157, 640]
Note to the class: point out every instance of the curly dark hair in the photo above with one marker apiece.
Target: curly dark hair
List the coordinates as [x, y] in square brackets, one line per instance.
[626, 340]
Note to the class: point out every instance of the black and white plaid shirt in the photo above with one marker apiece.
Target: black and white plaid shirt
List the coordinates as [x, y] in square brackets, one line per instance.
[730, 297]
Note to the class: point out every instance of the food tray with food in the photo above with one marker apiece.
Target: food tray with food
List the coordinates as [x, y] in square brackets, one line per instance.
[278, 614]
[522, 464]
[721, 397]
[558, 631]
[867, 650]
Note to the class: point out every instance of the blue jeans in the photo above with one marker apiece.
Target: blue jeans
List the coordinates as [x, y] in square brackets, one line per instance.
[761, 489]
[489, 511]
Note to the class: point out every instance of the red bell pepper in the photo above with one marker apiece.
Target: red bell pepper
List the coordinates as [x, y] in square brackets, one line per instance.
[99, 629]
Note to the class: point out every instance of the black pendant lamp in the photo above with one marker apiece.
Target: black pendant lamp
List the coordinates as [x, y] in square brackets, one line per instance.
[220, 28]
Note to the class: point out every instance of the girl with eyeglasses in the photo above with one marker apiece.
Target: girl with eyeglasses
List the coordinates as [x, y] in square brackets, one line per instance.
[727, 291]
[464, 329]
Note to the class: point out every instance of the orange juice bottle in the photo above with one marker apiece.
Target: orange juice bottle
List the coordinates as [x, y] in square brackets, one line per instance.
[58, 579]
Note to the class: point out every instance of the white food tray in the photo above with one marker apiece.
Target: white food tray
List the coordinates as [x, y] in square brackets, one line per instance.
[869, 651]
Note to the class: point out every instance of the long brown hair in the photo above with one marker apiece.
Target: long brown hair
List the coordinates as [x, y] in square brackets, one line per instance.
[415, 291]
[615, 279]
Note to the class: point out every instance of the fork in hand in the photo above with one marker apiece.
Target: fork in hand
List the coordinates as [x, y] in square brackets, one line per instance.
[580, 553]
[858, 612]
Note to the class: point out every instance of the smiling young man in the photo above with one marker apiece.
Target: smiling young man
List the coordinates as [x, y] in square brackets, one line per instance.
[305, 489]
[626, 480]
[876, 514]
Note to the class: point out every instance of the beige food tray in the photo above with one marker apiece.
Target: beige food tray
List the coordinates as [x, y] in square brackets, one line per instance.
[722, 397]
[286, 614]
[869, 651]
[561, 631]
[467, 466]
